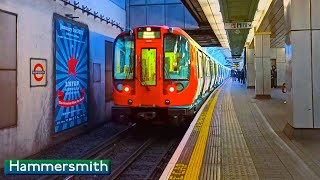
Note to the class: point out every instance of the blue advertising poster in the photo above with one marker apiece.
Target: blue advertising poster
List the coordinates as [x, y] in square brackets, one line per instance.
[71, 67]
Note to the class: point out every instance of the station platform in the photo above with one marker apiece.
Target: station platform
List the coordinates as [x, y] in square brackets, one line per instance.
[235, 136]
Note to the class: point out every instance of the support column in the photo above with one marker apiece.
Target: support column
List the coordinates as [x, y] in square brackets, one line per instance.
[251, 74]
[302, 66]
[262, 65]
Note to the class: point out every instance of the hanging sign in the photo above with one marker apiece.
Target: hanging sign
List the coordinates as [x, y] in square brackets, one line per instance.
[71, 73]
[238, 25]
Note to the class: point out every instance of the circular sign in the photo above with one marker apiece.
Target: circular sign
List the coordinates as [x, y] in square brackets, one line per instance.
[38, 72]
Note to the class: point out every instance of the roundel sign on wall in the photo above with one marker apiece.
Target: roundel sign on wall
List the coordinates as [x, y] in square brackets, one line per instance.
[38, 72]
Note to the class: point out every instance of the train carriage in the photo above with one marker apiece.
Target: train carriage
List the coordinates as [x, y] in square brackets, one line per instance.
[161, 75]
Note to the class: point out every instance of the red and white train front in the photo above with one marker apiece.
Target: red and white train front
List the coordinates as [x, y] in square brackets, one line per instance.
[155, 75]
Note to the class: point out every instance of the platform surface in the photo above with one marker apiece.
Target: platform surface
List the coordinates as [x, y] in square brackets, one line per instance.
[238, 137]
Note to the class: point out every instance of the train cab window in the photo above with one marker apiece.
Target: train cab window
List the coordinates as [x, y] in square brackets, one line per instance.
[124, 58]
[177, 57]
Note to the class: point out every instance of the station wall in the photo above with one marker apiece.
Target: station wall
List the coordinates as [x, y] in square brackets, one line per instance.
[33, 127]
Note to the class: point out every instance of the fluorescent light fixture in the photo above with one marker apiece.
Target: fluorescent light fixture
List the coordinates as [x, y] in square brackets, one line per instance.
[262, 5]
[261, 11]
[211, 9]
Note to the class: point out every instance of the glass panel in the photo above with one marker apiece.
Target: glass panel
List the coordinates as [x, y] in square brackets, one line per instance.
[148, 67]
[177, 57]
[124, 58]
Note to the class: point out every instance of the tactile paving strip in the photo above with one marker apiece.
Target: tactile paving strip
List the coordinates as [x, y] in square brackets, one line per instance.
[211, 166]
[190, 161]
[219, 137]
[236, 159]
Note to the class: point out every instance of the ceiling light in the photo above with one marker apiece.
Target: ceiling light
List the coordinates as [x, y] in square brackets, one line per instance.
[261, 11]
[212, 11]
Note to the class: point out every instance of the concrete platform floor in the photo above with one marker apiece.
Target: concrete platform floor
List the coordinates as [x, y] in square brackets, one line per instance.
[274, 110]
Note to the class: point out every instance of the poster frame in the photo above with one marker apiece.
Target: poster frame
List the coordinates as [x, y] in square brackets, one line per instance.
[56, 17]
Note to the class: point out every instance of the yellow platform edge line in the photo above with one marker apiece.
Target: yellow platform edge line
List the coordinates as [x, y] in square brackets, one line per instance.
[195, 162]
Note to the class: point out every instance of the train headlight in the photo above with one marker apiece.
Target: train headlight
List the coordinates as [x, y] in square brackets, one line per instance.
[126, 89]
[119, 87]
[171, 89]
[130, 101]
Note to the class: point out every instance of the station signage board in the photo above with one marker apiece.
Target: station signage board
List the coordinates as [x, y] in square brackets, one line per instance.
[238, 25]
[71, 55]
[38, 72]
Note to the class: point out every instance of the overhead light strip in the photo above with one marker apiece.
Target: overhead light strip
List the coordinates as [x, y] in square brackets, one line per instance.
[261, 11]
[212, 11]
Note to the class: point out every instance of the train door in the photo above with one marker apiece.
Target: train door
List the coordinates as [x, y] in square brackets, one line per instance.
[211, 75]
[204, 70]
[207, 75]
[200, 73]
[147, 74]
[217, 73]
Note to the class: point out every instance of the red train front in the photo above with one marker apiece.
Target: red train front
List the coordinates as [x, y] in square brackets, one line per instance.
[155, 75]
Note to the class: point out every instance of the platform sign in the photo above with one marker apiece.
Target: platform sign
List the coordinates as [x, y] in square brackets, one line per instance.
[71, 73]
[38, 72]
[238, 25]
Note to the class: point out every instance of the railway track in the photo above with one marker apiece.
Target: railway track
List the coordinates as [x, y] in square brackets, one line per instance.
[135, 153]
[101, 150]
[124, 165]
[149, 163]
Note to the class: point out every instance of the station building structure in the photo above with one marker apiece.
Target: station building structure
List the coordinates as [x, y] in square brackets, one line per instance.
[42, 41]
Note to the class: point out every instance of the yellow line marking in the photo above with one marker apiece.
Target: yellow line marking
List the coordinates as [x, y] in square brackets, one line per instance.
[195, 162]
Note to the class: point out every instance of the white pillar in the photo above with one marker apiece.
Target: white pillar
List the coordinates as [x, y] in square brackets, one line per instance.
[251, 74]
[262, 64]
[302, 25]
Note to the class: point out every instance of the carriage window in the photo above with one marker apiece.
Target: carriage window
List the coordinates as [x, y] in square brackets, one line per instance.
[124, 58]
[177, 57]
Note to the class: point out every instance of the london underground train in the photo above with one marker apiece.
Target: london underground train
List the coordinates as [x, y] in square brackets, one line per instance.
[161, 75]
